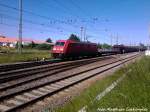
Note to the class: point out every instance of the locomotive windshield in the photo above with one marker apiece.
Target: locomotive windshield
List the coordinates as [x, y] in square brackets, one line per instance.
[60, 43]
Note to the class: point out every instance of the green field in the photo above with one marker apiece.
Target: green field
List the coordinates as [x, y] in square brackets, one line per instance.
[10, 56]
[131, 93]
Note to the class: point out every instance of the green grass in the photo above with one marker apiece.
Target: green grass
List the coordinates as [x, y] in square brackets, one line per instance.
[27, 55]
[133, 91]
[89, 94]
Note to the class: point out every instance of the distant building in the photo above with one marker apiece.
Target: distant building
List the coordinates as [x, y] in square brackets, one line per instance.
[11, 42]
[5, 41]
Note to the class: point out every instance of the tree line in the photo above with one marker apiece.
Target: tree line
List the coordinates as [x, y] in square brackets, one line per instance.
[48, 45]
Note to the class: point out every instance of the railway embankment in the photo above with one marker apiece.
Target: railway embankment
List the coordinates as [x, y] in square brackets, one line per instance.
[126, 90]
[32, 89]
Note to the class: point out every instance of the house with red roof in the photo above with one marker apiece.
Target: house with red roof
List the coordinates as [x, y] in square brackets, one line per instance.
[11, 42]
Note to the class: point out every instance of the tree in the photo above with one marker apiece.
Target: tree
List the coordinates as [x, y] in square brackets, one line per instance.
[43, 47]
[17, 45]
[106, 46]
[99, 46]
[74, 38]
[32, 45]
[49, 40]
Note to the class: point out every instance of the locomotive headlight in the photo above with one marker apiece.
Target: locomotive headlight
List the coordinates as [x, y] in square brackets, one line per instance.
[61, 49]
[54, 49]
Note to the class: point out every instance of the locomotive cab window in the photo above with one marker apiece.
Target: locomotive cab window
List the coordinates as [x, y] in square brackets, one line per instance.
[60, 43]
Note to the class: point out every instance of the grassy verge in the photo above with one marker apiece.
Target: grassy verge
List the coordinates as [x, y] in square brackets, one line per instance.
[89, 94]
[27, 55]
[132, 92]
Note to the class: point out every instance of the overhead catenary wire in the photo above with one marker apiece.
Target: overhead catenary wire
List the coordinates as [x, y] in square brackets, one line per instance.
[44, 29]
[33, 22]
[34, 29]
[24, 11]
[73, 22]
[32, 13]
[41, 16]
[4, 16]
[40, 24]
[68, 9]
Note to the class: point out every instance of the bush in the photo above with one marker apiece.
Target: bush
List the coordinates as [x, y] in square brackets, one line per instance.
[43, 47]
[30, 46]
[104, 46]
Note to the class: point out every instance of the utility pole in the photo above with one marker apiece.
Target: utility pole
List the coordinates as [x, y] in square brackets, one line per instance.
[111, 39]
[148, 37]
[86, 38]
[84, 34]
[81, 32]
[1, 22]
[20, 28]
[117, 39]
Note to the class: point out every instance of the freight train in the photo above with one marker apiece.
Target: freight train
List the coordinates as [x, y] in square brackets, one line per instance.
[127, 49]
[69, 48]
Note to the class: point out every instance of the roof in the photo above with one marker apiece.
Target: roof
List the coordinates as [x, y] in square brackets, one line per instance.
[13, 40]
[4, 39]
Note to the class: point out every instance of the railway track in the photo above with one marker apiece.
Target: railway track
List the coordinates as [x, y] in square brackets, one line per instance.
[46, 69]
[23, 65]
[20, 77]
[15, 94]
[20, 65]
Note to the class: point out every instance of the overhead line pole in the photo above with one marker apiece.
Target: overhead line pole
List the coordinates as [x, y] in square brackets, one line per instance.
[20, 28]
[117, 39]
[81, 33]
[149, 36]
[1, 16]
[85, 34]
[111, 39]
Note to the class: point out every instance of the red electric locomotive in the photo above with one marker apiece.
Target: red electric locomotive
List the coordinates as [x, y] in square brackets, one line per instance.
[69, 48]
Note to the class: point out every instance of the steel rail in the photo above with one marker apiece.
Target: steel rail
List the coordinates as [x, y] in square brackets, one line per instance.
[16, 74]
[43, 74]
[76, 79]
